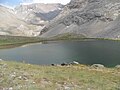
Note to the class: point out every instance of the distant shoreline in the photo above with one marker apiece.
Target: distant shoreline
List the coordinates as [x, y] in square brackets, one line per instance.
[26, 45]
[26, 41]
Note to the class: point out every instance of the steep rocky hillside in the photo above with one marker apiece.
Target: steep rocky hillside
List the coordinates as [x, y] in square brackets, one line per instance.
[91, 18]
[27, 20]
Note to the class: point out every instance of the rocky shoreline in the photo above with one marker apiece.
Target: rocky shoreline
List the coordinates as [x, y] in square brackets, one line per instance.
[77, 63]
[97, 66]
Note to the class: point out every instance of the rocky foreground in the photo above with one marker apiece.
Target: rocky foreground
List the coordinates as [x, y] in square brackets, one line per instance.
[20, 76]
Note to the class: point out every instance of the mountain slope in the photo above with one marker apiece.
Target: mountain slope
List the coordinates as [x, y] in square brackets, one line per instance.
[27, 20]
[10, 24]
[91, 18]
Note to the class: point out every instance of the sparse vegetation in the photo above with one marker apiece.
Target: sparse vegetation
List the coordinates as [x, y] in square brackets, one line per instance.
[19, 76]
[14, 41]
[69, 36]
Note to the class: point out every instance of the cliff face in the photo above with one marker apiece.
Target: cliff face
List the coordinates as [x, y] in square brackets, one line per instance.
[91, 18]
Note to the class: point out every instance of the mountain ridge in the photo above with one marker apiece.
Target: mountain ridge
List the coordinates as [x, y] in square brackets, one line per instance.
[91, 18]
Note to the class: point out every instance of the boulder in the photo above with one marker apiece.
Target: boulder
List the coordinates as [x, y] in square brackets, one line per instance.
[64, 64]
[1, 60]
[97, 66]
[74, 63]
[117, 66]
[53, 64]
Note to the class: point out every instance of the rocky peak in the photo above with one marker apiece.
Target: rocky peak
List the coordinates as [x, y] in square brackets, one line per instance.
[76, 4]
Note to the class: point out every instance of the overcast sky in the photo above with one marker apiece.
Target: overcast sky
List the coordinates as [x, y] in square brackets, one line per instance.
[13, 3]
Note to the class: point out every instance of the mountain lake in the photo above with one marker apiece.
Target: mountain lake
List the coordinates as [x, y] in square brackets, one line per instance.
[87, 52]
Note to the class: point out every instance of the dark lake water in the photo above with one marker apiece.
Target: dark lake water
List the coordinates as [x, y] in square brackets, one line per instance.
[85, 52]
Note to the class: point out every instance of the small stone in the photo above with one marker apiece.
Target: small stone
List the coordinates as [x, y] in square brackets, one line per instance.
[67, 88]
[13, 75]
[20, 77]
[33, 82]
[88, 89]
[19, 86]
[14, 72]
[10, 88]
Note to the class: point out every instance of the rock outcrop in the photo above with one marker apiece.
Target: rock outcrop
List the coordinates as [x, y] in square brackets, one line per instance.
[91, 18]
